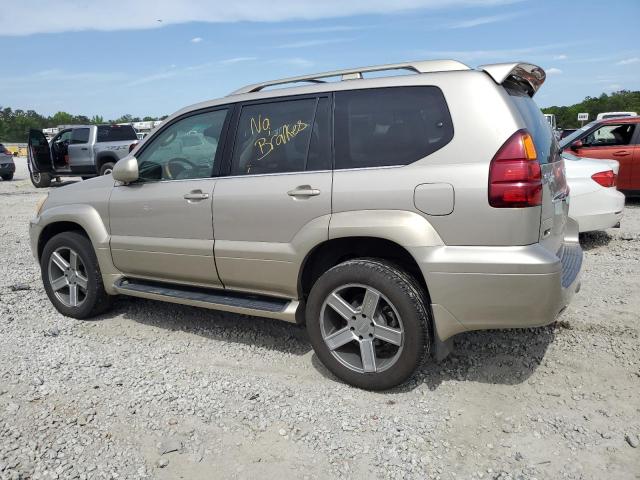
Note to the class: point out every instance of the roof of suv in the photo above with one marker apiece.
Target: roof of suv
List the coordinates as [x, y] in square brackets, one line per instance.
[529, 75]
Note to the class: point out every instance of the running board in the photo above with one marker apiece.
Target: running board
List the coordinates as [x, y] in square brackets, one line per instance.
[215, 299]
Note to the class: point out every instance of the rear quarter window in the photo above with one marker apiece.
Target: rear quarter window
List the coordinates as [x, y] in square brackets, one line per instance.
[389, 126]
[116, 133]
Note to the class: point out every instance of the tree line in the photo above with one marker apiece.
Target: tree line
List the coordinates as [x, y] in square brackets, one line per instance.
[622, 101]
[15, 124]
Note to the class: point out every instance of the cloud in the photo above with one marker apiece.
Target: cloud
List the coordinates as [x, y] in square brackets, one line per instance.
[196, 39]
[613, 87]
[229, 61]
[475, 22]
[553, 71]
[312, 43]
[628, 61]
[560, 57]
[17, 18]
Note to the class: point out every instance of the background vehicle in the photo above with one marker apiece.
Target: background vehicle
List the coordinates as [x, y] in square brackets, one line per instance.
[82, 150]
[254, 203]
[566, 132]
[605, 115]
[7, 166]
[615, 139]
[595, 203]
[551, 118]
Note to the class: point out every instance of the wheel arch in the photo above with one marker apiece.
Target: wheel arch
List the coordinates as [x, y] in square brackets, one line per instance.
[105, 157]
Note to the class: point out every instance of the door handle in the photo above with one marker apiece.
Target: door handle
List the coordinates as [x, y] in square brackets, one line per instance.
[622, 153]
[304, 191]
[84, 148]
[195, 195]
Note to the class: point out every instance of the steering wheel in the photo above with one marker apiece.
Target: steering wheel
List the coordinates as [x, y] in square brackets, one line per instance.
[177, 165]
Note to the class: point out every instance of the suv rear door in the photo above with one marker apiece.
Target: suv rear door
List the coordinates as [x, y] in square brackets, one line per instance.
[275, 203]
[39, 153]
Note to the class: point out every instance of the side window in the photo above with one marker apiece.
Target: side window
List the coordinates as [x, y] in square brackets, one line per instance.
[186, 149]
[273, 137]
[389, 126]
[79, 135]
[610, 135]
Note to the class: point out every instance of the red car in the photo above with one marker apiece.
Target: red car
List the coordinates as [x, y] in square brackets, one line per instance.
[613, 139]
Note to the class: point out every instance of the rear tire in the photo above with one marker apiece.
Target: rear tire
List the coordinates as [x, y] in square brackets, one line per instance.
[6, 178]
[40, 180]
[380, 332]
[71, 276]
[107, 168]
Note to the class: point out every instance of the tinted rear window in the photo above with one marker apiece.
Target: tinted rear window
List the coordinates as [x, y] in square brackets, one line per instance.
[389, 126]
[116, 133]
[537, 125]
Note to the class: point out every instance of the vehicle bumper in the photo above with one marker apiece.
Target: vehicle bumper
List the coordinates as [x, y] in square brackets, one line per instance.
[7, 168]
[597, 210]
[476, 288]
[35, 229]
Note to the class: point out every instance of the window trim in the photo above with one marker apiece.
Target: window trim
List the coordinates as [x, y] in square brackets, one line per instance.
[217, 159]
[231, 143]
[333, 117]
[634, 135]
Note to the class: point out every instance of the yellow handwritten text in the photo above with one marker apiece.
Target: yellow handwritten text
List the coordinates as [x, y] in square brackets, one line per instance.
[283, 135]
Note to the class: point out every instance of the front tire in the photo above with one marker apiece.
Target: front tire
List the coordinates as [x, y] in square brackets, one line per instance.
[40, 180]
[7, 178]
[71, 276]
[107, 168]
[369, 323]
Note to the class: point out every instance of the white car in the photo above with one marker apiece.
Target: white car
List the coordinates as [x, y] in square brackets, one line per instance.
[595, 201]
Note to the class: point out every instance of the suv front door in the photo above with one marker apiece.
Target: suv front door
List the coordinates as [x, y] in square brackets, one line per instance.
[161, 225]
[39, 153]
[275, 204]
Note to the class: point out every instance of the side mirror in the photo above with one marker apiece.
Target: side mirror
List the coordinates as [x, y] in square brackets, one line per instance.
[126, 170]
[575, 146]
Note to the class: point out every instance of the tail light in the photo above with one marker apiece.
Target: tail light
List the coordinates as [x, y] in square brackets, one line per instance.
[515, 178]
[606, 179]
[132, 146]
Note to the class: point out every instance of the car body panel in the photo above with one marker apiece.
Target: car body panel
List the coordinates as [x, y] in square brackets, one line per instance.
[628, 155]
[593, 206]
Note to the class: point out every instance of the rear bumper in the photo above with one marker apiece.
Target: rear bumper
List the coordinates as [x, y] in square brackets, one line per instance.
[597, 210]
[476, 288]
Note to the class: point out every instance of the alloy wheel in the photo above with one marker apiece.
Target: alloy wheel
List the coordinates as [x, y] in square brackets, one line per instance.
[68, 277]
[361, 328]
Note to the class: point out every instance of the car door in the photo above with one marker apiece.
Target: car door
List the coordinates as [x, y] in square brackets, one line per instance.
[275, 203]
[80, 151]
[612, 141]
[39, 153]
[161, 225]
[634, 183]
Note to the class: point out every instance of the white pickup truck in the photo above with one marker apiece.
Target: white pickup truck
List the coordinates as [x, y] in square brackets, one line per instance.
[78, 151]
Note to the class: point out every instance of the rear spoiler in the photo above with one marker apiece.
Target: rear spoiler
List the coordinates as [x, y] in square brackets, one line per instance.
[530, 77]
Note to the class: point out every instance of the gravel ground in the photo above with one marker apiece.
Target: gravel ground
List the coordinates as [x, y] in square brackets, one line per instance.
[154, 390]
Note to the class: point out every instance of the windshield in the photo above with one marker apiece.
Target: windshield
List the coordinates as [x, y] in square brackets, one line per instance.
[570, 138]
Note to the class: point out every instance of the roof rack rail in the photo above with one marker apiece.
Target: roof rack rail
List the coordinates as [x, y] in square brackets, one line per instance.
[424, 66]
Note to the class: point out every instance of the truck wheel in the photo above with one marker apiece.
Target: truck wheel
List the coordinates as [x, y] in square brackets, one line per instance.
[107, 168]
[368, 323]
[6, 178]
[71, 276]
[40, 180]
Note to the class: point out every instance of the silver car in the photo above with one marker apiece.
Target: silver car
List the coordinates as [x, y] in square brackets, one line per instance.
[388, 214]
[7, 165]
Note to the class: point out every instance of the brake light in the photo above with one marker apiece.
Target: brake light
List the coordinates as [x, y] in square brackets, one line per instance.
[606, 179]
[515, 178]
